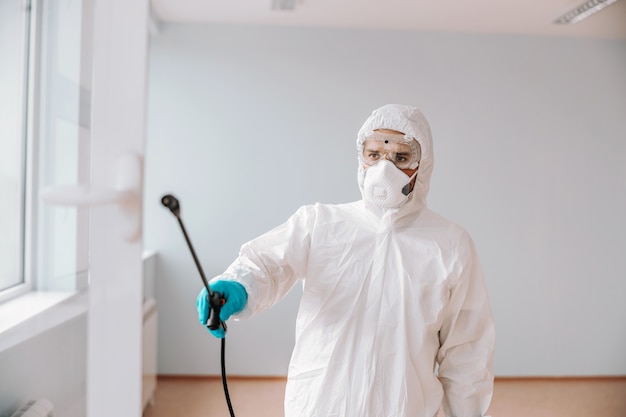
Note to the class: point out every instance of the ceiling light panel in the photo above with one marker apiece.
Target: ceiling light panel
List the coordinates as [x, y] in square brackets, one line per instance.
[584, 10]
[283, 4]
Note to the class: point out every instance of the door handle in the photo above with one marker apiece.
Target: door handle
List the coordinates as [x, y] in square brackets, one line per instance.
[125, 193]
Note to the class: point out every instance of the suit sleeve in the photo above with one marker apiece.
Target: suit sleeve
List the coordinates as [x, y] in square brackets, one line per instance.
[270, 265]
[467, 340]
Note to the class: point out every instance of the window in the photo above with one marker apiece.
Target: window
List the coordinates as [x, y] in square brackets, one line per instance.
[14, 40]
[44, 131]
[62, 141]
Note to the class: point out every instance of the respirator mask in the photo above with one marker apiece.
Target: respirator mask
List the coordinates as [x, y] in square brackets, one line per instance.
[386, 186]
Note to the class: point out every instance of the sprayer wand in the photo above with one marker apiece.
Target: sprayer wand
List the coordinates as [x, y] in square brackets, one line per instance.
[215, 298]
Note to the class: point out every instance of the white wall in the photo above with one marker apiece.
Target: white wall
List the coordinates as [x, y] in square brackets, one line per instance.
[51, 365]
[248, 123]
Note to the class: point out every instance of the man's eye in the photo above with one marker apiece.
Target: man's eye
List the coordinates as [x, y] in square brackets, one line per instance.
[373, 155]
[401, 158]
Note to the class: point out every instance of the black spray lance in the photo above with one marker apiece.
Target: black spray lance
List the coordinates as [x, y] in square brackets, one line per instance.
[215, 298]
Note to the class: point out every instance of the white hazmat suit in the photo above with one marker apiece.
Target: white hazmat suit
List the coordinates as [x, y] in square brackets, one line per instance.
[394, 319]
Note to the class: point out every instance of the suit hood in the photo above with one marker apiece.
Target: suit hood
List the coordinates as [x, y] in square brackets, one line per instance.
[412, 122]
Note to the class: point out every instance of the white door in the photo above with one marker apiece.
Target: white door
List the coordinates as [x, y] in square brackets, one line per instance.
[119, 82]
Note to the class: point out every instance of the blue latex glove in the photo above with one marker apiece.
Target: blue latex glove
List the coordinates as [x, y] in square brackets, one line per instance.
[235, 297]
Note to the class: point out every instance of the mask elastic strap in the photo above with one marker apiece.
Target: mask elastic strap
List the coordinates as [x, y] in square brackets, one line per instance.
[406, 190]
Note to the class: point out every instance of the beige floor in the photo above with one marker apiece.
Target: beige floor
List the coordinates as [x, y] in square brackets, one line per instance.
[204, 397]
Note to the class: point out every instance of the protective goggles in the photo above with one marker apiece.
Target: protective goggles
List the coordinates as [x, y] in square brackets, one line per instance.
[402, 151]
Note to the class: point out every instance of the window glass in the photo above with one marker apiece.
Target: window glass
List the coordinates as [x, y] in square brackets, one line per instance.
[13, 81]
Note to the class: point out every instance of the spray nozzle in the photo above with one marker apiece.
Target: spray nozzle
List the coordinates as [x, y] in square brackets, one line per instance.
[171, 203]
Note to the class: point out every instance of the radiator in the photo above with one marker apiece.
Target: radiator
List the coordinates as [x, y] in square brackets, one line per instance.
[150, 318]
[35, 408]
[149, 352]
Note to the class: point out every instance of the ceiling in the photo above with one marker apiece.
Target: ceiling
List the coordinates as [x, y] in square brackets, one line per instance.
[526, 17]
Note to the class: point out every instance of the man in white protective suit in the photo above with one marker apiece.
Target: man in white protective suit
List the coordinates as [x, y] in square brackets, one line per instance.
[394, 319]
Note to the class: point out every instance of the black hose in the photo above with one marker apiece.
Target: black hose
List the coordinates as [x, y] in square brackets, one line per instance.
[224, 383]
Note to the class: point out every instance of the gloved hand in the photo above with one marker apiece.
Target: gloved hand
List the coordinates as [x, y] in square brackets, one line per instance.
[235, 297]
